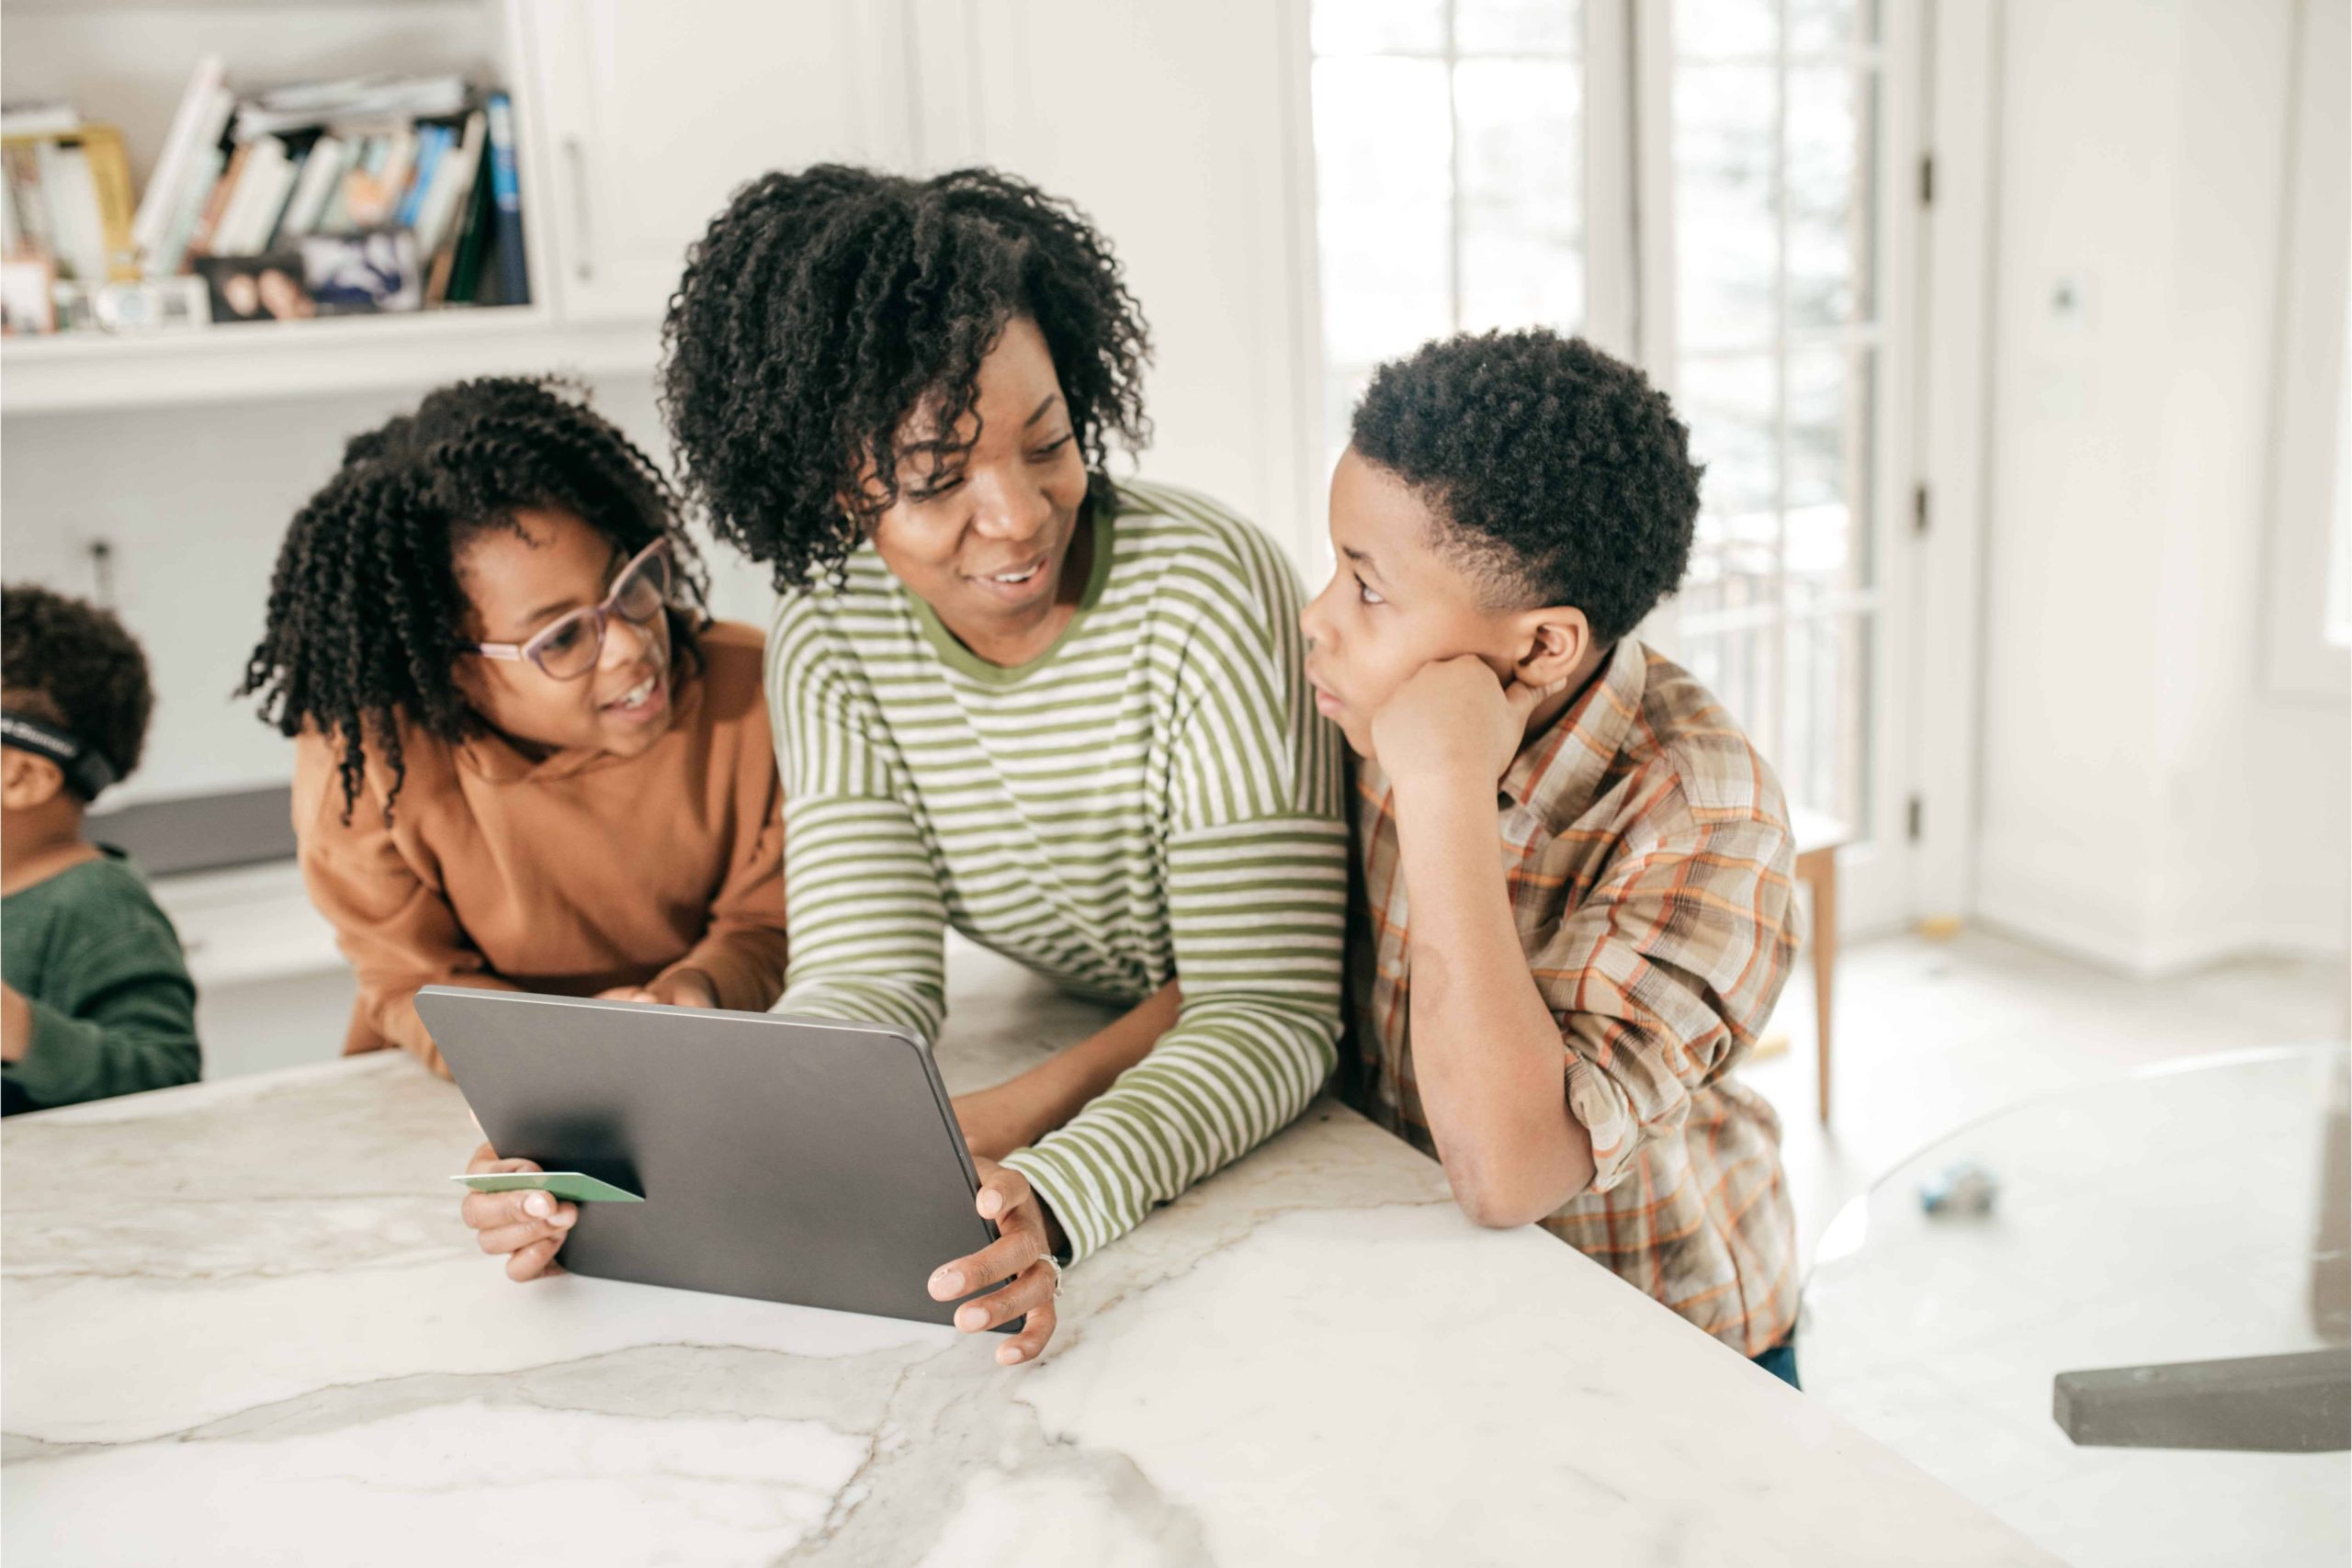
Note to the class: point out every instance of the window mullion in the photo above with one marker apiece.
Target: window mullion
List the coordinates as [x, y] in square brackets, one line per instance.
[1611, 175]
[1780, 668]
[1453, 166]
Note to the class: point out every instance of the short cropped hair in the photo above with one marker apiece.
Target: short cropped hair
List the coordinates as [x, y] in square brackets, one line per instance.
[1559, 475]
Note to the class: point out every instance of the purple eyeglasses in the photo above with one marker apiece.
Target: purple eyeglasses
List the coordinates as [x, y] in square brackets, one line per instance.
[569, 647]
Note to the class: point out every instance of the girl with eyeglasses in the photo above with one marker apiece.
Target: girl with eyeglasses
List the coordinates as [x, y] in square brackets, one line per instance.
[524, 757]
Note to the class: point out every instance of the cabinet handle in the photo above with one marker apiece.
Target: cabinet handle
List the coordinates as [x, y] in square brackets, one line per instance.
[575, 153]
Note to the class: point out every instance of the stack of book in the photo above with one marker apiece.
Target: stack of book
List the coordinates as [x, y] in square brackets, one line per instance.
[332, 197]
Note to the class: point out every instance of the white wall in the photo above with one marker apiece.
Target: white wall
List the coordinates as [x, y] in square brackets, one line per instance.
[2145, 801]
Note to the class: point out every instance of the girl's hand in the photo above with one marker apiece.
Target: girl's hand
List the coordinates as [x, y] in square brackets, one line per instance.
[1022, 1254]
[525, 1228]
[686, 989]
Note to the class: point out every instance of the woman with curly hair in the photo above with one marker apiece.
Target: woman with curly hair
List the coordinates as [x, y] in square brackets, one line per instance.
[1062, 715]
[524, 759]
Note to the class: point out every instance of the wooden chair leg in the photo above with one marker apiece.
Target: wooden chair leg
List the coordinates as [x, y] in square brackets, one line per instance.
[1825, 964]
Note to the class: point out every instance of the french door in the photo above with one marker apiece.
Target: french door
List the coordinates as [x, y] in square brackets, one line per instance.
[1727, 191]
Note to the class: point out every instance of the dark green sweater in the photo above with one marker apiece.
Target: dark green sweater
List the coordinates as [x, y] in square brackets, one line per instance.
[113, 1007]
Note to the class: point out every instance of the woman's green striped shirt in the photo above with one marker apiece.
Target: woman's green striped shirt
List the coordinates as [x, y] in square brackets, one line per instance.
[1155, 795]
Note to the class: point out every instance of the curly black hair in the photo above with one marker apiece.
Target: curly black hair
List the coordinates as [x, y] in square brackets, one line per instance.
[366, 610]
[822, 308]
[1560, 475]
[70, 663]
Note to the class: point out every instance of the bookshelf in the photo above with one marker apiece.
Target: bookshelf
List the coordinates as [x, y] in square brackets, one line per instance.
[632, 123]
[71, 373]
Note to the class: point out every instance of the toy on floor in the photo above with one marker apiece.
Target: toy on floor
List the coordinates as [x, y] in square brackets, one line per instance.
[1963, 1189]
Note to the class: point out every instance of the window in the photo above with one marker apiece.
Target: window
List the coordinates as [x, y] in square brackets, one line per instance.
[1778, 351]
[1474, 160]
[1449, 160]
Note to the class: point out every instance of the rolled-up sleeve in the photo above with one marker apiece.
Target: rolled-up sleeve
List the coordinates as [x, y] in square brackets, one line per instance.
[1653, 977]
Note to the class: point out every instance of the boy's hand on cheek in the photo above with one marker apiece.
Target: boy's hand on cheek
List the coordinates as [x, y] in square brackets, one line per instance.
[1452, 724]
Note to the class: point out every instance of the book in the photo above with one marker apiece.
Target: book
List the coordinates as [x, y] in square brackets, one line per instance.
[37, 119]
[354, 101]
[109, 170]
[513, 270]
[262, 190]
[171, 256]
[197, 127]
[374, 195]
[216, 204]
[453, 181]
[69, 204]
[431, 141]
[77, 238]
[480, 221]
[27, 203]
[322, 169]
[367, 153]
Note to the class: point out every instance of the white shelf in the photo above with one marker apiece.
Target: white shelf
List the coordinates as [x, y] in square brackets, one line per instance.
[249, 924]
[96, 371]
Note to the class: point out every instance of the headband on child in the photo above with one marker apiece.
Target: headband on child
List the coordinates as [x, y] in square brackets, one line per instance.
[86, 773]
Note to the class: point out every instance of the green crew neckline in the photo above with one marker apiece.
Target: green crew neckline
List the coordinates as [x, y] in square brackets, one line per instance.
[109, 862]
[1101, 518]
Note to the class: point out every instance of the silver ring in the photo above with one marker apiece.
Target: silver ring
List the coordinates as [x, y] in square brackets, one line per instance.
[1050, 1261]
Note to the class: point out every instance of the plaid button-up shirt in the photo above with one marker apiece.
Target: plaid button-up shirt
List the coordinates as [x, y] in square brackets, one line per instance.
[1647, 853]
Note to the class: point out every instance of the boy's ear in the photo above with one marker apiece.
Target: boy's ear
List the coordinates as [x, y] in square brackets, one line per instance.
[1553, 645]
[27, 781]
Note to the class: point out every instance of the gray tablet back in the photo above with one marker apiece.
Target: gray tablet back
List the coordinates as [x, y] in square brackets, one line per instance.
[791, 1159]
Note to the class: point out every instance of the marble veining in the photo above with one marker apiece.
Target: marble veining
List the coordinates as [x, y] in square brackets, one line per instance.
[243, 1323]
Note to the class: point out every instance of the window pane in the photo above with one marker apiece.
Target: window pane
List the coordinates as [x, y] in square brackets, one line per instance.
[1740, 669]
[1518, 27]
[1342, 390]
[1822, 762]
[1705, 28]
[1522, 193]
[1373, 27]
[1726, 122]
[1833, 157]
[1383, 156]
[1728, 404]
[1831, 393]
[1821, 26]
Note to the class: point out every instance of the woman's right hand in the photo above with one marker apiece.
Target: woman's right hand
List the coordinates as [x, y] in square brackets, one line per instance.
[525, 1228]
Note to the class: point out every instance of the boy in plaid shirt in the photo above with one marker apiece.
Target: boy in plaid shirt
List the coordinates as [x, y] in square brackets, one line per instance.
[1577, 908]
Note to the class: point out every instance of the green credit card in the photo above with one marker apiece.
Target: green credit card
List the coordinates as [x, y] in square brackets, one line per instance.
[569, 1185]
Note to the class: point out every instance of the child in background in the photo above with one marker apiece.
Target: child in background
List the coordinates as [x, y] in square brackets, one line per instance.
[524, 758]
[1597, 861]
[97, 1000]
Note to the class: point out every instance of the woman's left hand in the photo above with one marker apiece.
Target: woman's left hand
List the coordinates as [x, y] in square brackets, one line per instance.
[1022, 1255]
[993, 1123]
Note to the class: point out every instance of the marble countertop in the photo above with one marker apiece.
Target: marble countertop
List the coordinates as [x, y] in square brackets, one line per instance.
[243, 1323]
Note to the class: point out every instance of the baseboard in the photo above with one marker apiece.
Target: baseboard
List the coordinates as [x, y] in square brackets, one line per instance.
[2018, 894]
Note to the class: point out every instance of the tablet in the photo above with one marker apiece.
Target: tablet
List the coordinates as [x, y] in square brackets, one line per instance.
[791, 1159]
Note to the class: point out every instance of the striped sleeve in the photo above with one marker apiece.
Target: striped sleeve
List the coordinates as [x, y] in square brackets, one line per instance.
[861, 887]
[1257, 885]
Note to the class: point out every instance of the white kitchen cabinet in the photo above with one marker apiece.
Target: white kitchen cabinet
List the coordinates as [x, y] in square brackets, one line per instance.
[649, 115]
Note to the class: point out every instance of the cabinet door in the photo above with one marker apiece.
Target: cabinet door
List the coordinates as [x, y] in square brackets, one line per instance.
[647, 115]
[1182, 130]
